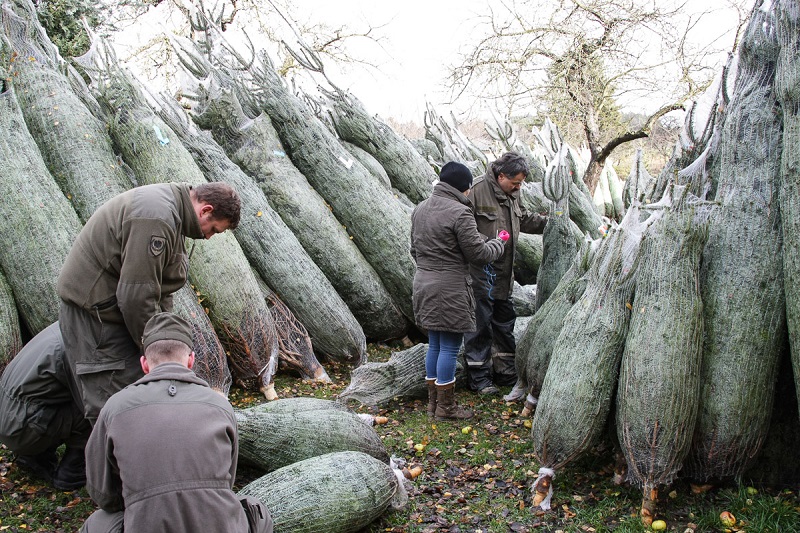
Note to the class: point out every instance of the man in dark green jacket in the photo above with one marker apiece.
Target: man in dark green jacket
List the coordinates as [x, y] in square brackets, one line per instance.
[123, 268]
[37, 413]
[497, 207]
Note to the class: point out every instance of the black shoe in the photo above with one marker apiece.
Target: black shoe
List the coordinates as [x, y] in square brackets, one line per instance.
[71, 472]
[42, 465]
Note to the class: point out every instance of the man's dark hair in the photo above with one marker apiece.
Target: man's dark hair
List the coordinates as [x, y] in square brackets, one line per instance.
[510, 164]
[224, 199]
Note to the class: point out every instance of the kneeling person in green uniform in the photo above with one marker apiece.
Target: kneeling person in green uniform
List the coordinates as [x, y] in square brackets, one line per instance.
[38, 413]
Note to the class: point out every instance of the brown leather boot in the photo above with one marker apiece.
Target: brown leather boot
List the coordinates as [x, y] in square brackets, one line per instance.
[431, 397]
[446, 406]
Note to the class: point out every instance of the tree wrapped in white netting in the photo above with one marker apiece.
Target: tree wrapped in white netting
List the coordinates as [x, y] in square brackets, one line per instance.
[39, 222]
[535, 345]
[787, 88]
[561, 237]
[335, 493]
[742, 276]
[659, 378]
[10, 335]
[218, 269]
[640, 184]
[74, 143]
[271, 247]
[271, 438]
[581, 378]
[407, 170]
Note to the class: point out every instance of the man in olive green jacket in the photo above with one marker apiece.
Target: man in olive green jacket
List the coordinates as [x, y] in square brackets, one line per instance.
[122, 269]
[497, 207]
[162, 455]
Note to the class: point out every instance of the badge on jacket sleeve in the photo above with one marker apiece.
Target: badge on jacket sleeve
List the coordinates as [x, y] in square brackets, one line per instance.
[157, 245]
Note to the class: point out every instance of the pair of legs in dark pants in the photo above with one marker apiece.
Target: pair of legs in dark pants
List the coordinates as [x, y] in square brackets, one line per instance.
[494, 326]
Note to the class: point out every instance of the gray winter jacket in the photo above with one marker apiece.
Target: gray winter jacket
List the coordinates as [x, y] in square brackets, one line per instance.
[444, 242]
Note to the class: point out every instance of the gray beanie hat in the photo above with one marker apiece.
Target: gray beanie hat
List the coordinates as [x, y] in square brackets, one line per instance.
[167, 326]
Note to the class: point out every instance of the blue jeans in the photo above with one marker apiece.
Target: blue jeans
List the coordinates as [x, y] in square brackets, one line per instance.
[440, 361]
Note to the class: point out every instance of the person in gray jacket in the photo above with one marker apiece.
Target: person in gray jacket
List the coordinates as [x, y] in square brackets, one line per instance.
[444, 242]
[497, 207]
[162, 455]
[124, 266]
[38, 413]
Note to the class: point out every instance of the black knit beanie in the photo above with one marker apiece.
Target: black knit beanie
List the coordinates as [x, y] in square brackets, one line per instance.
[457, 175]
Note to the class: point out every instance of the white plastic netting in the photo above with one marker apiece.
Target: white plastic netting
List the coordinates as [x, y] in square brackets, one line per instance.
[742, 277]
[334, 493]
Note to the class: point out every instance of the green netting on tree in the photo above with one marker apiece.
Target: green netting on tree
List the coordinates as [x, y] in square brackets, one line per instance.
[294, 344]
[210, 362]
[369, 162]
[742, 276]
[402, 376]
[535, 345]
[407, 170]
[10, 336]
[429, 151]
[335, 493]
[581, 378]
[640, 184]
[286, 406]
[559, 243]
[379, 224]
[659, 380]
[527, 258]
[255, 147]
[218, 269]
[787, 88]
[273, 439]
[39, 223]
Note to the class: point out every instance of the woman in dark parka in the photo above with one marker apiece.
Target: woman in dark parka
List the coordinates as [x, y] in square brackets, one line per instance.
[444, 241]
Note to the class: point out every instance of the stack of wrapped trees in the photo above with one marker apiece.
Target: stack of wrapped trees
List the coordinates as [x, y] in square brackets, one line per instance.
[681, 313]
[337, 480]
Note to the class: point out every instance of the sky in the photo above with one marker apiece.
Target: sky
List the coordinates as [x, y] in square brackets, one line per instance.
[420, 39]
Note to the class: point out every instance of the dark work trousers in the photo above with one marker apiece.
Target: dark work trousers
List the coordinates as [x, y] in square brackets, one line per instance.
[102, 357]
[494, 325]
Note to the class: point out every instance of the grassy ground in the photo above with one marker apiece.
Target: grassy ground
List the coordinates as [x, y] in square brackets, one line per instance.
[476, 477]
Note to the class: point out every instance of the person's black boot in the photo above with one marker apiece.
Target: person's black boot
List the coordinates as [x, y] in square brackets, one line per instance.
[42, 465]
[71, 472]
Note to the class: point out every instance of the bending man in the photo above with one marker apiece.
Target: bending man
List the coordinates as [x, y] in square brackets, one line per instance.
[123, 268]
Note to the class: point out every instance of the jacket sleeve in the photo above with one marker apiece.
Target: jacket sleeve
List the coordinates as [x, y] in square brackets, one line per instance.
[102, 474]
[146, 248]
[476, 249]
[531, 222]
